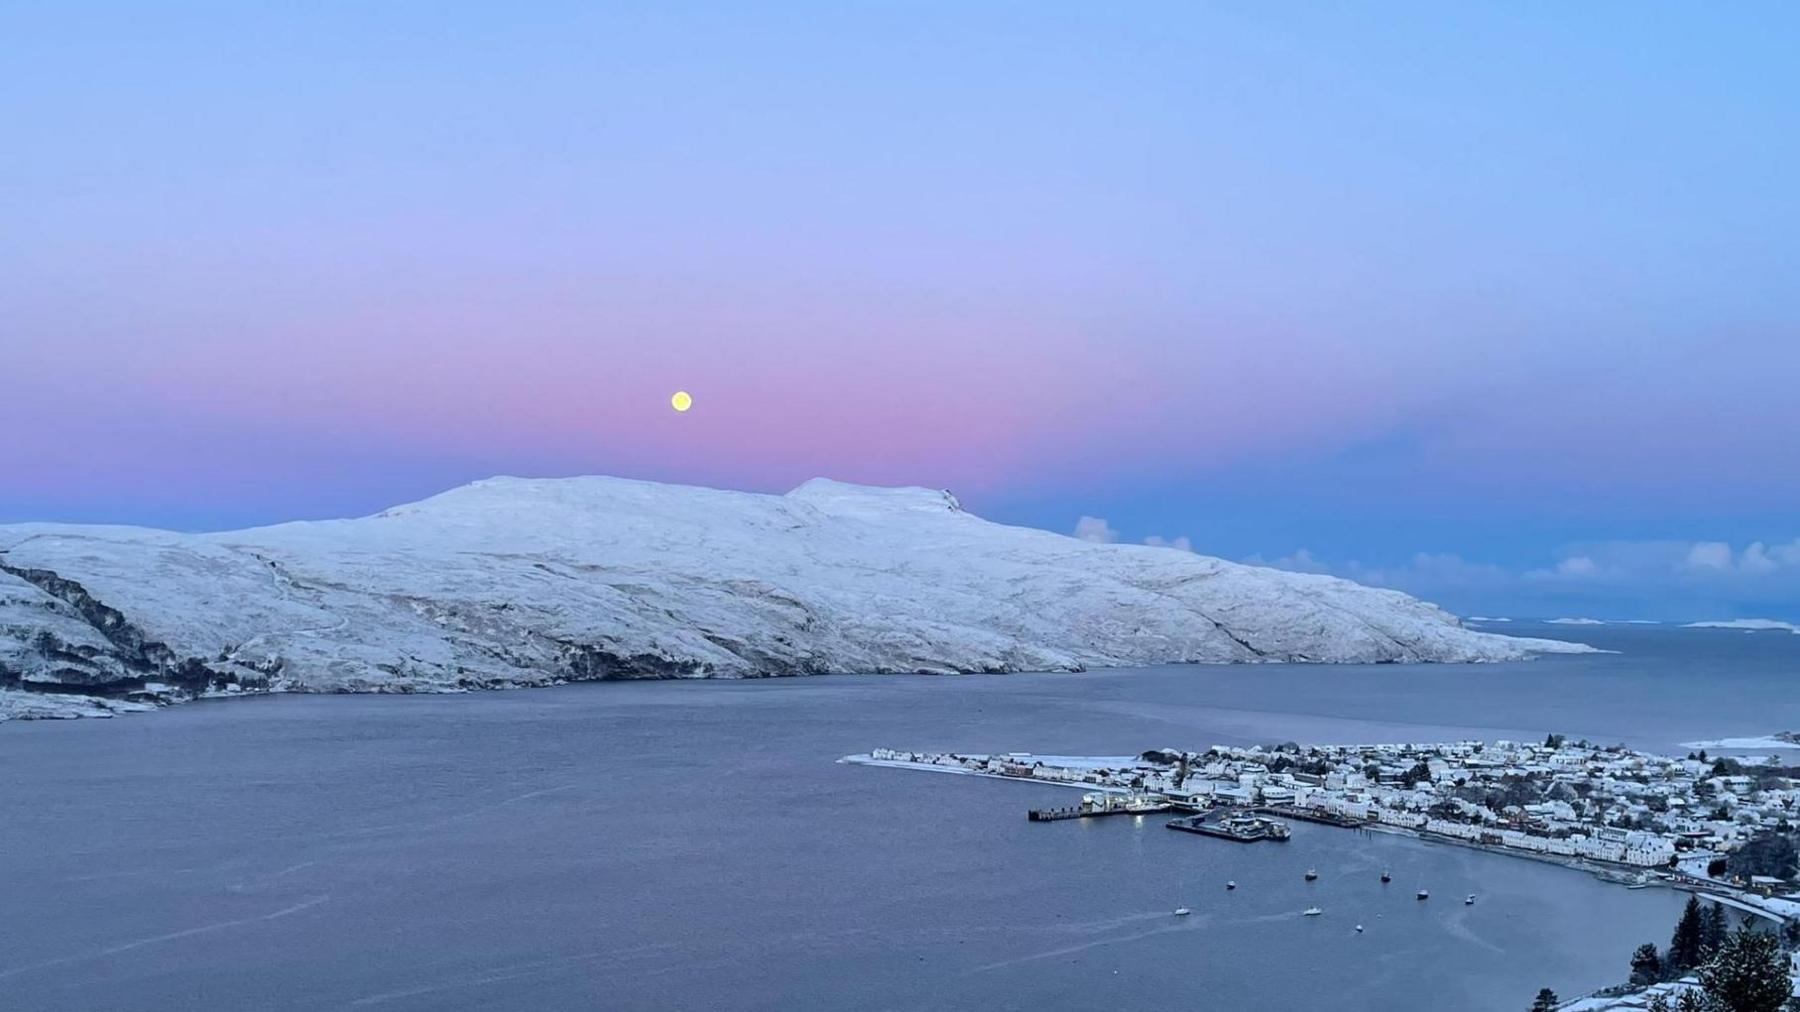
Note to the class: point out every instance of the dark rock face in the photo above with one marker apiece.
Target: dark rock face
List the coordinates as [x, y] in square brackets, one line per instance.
[131, 660]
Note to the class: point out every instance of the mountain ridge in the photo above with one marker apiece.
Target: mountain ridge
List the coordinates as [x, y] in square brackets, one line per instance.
[520, 581]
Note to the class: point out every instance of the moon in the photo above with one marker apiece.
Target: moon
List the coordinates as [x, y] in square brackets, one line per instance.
[681, 401]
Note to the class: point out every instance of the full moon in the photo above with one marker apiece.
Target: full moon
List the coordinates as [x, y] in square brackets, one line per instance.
[681, 401]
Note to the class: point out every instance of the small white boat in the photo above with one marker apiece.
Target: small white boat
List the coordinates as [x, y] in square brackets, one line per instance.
[1311, 912]
[1182, 911]
[1311, 874]
[1469, 900]
[1359, 929]
[1231, 885]
[1424, 894]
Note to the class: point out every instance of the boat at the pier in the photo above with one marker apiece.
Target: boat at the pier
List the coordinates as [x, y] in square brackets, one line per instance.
[1244, 829]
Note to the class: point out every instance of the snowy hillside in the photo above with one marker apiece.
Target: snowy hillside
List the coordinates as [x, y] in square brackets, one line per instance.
[526, 582]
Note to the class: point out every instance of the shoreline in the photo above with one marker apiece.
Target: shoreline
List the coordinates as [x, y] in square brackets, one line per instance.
[1651, 878]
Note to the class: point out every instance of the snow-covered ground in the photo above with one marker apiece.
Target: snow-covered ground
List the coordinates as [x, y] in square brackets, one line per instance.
[18, 705]
[522, 582]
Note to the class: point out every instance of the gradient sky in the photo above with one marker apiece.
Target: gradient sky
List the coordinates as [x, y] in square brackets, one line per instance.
[1496, 303]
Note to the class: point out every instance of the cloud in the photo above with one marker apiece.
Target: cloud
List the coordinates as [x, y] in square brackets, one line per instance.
[1756, 559]
[1577, 565]
[1301, 561]
[1181, 542]
[1096, 530]
[1705, 555]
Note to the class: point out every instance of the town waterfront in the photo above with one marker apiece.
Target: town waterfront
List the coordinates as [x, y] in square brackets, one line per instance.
[695, 844]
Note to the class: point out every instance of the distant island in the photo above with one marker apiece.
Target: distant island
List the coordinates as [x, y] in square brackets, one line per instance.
[1748, 625]
[514, 582]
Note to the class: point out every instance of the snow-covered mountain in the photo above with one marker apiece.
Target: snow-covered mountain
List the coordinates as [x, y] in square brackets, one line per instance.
[512, 582]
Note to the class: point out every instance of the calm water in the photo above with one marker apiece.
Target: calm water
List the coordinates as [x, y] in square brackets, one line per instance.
[694, 845]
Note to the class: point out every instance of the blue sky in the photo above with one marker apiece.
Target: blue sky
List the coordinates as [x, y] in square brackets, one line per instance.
[1442, 296]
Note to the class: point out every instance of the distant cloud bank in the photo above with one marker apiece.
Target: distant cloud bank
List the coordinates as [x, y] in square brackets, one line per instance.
[1620, 580]
[1617, 582]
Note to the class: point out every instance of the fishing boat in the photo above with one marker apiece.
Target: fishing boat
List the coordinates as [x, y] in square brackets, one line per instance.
[1386, 878]
[1469, 900]
[1311, 912]
[1311, 874]
[1182, 911]
[1424, 894]
[1232, 884]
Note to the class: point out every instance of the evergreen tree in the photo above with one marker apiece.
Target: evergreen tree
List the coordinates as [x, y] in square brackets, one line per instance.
[1749, 973]
[1691, 1000]
[1658, 1002]
[1546, 1001]
[1687, 944]
[1715, 929]
[1646, 965]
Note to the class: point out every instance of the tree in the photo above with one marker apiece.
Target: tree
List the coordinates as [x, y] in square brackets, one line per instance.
[1685, 947]
[1714, 929]
[1417, 775]
[1646, 965]
[1691, 1000]
[1546, 1001]
[1749, 973]
[1769, 853]
[1553, 741]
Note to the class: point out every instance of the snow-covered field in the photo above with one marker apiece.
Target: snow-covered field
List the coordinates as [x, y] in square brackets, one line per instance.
[525, 582]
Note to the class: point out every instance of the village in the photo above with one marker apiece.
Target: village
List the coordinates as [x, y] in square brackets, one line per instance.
[1636, 818]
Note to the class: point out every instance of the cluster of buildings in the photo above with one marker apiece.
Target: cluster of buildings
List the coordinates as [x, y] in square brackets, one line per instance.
[1556, 798]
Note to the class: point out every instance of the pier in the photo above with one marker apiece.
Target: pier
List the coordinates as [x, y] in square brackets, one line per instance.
[1242, 829]
[1094, 805]
[1323, 818]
